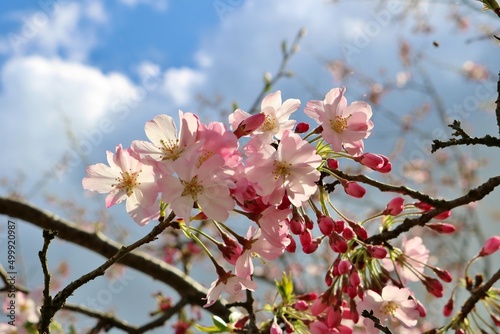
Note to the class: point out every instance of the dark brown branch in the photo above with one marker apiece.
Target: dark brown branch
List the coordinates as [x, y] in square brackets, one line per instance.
[473, 195]
[497, 110]
[102, 317]
[46, 311]
[188, 288]
[158, 322]
[108, 321]
[465, 139]
[390, 188]
[477, 295]
[376, 321]
[4, 277]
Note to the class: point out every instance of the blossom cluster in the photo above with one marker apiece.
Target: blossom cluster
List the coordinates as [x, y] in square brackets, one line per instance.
[273, 171]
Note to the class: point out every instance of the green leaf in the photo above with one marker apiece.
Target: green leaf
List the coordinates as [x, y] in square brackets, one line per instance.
[219, 322]
[285, 287]
[212, 329]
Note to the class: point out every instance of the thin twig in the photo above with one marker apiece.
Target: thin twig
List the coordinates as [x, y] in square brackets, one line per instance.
[497, 110]
[376, 321]
[108, 319]
[4, 276]
[287, 53]
[47, 310]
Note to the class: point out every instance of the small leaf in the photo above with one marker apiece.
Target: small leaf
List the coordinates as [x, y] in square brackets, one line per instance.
[221, 324]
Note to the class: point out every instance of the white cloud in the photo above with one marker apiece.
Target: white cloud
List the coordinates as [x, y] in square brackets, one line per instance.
[39, 94]
[156, 4]
[181, 83]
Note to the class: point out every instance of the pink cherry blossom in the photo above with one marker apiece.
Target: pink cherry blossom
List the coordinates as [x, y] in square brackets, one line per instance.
[126, 178]
[277, 117]
[393, 303]
[229, 283]
[274, 226]
[413, 259]
[291, 168]
[215, 139]
[166, 144]
[343, 126]
[207, 185]
[257, 245]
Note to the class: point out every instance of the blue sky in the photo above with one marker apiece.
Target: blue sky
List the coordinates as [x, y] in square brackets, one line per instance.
[100, 69]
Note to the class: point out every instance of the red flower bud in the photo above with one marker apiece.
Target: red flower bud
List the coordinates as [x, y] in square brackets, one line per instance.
[448, 308]
[326, 225]
[433, 286]
[337, 243]
[333, 164]
[395, 206]
[348, 233]
[490, 246]
[353, 189]
[377, 252]
[292, 246]
[443, 215]
[344, 267]
[441, 227]
[423, 206]
[249, 125]
[296, 225]
[443, 274]
[302, 127]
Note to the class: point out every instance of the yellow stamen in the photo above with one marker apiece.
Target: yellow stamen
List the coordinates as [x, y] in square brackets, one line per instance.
[339, 124]
[192, 188]
[281, 169]
[127, 182]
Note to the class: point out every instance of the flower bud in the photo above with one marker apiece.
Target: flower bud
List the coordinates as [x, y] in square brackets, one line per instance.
[348, 233]
[337, 243]
[309, 297]
[249, 125]
[448, 308]
[353, 189]
[441, 227]
[312, 247]
[333, 164]
[302, 127]
[377, 252]
[344, 267]
[339, 226]
[297, 225]
[326, 225]
[490, 246]
[395, 206]
[301, 305]
[374, 161]
[292, 246]
[443, 274]
[433, 286]
[423, 206]
[443, 215]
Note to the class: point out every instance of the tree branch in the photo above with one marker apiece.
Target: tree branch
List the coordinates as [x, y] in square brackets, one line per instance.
[476, 295]
[188, 288]
[465, 138]
[47, 310]
[473, 195]
[390, 188]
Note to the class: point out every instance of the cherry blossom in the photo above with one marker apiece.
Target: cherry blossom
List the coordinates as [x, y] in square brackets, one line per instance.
[291, 168]
[393, 303]
[229, 283]
[126, 178]
[412, 260]
[277, 119]
[166, 144]
[208, 185]
[343, 126]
